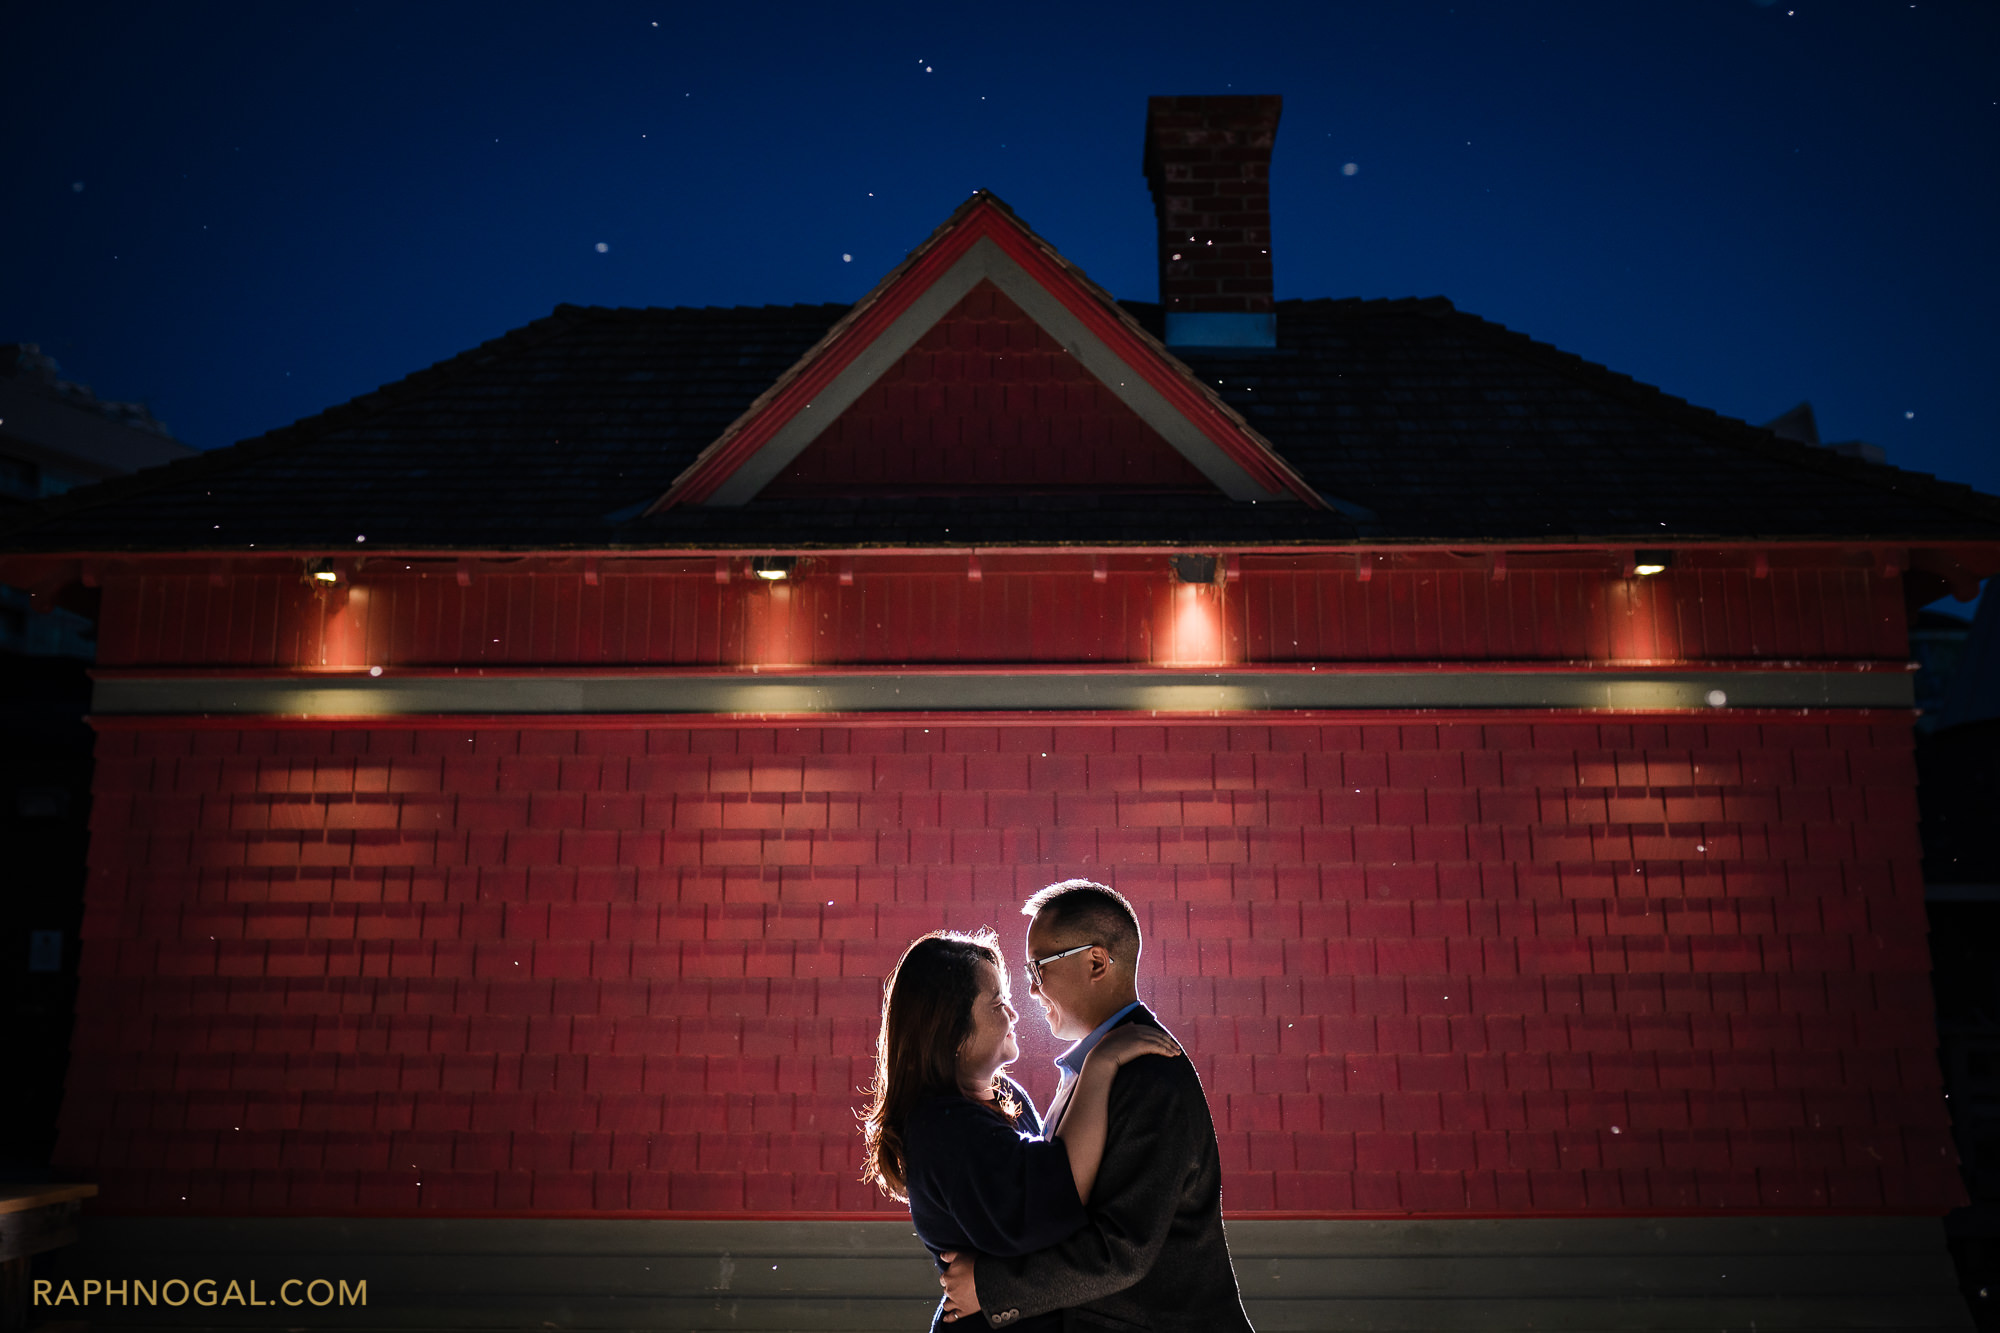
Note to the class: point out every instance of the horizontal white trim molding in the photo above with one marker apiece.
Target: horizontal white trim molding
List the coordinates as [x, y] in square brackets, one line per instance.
[1495, 1274]
[394, 694]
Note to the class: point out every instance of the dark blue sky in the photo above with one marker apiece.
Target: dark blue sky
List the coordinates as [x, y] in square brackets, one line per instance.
[244, 214]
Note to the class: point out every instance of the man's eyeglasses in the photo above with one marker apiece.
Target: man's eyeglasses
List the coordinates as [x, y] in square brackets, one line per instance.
[1033, 966]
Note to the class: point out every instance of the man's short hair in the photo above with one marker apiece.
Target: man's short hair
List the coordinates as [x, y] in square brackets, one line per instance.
[1082, 910]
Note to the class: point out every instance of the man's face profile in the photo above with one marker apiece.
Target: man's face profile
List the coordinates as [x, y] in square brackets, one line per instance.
[1064, 988]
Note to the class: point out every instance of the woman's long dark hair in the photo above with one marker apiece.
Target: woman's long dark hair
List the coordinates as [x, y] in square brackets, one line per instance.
[926, 1016]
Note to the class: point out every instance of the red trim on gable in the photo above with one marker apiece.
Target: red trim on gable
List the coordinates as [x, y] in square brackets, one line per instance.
[984, 217]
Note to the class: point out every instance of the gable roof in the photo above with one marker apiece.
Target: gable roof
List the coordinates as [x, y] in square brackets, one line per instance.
[983, 243]
[1451, 429]
[986, 400]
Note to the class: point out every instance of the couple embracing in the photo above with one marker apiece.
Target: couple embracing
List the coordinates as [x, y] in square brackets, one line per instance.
[1106, 1213]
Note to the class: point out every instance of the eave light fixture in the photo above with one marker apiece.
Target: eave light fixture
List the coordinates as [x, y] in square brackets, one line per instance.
[1195, 568]
[321, 572]
[775, 568]
[1648, 563]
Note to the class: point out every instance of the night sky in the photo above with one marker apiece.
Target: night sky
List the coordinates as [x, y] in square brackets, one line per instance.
[245, 214]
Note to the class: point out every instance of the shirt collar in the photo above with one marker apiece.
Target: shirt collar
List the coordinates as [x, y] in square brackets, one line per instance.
[1071, 1060]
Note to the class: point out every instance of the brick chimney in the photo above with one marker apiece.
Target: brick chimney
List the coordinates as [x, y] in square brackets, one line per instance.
[1208, 161]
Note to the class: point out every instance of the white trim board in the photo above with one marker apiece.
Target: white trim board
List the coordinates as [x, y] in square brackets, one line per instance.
[1146, 692]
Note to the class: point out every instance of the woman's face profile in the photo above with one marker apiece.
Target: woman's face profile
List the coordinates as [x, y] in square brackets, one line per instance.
[991, 1044]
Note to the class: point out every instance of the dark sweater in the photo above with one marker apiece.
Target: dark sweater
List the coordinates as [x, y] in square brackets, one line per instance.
[977, 1183]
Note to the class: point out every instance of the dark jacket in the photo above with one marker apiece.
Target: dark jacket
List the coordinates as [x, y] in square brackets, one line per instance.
[1152, 1255]
[977, 1183]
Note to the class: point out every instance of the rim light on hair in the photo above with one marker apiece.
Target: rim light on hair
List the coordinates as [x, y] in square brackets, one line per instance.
[926, 1018]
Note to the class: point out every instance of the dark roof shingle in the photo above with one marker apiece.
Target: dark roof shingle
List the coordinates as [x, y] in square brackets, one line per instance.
[1440, 425]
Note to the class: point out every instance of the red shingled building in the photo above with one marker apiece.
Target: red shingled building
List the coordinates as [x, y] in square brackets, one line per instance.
[512, 787]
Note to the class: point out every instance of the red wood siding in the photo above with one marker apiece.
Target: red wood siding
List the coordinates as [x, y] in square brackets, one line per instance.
[987, 399]
[1021, 609]
[1489, 966]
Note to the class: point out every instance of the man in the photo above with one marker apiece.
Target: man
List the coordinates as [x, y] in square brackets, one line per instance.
[1152, 1255]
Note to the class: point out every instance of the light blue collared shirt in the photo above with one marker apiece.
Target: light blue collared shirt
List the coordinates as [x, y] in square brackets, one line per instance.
[1071, 1060]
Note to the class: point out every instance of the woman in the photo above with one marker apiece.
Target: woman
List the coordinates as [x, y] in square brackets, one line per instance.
[960, 1141]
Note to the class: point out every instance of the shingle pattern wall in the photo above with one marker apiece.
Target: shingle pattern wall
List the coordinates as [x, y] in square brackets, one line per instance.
[1489, 966]
[1444, 426]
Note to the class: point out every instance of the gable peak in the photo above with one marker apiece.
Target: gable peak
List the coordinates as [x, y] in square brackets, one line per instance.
[984, 244]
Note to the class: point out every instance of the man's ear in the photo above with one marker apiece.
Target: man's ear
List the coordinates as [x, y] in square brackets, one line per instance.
[1100, 962]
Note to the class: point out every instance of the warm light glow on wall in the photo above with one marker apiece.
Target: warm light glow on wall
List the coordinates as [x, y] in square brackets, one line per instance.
[344, 632]
[769, 638]
[1195, 629]
[1641, 620]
